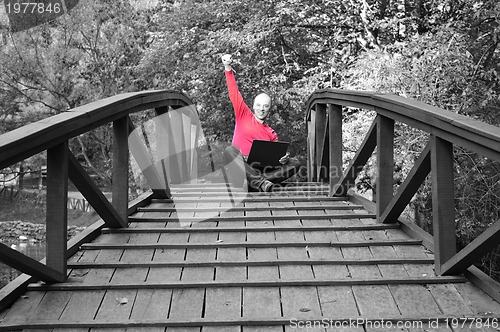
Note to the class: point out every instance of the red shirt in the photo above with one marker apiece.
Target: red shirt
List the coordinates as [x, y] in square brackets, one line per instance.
[247, 127]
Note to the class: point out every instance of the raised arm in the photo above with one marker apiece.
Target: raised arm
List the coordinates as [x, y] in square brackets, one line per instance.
[234, 93]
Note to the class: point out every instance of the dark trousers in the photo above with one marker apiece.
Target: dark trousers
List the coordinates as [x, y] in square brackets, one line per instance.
[256, 175]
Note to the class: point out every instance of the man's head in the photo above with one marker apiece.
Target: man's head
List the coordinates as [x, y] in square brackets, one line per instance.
[261, 106]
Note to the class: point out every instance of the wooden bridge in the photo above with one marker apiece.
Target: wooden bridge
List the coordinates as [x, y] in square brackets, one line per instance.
[198, 256]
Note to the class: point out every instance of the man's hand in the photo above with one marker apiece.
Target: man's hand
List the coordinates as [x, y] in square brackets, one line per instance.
[285, 159]
[227, 60]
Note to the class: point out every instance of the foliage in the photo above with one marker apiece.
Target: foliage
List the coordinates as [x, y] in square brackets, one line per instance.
[30, 207]
[84, 56]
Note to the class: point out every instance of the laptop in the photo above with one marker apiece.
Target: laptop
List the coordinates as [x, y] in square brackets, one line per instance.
[266, 153]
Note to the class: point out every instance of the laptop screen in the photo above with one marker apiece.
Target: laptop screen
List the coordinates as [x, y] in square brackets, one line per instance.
[267, 153]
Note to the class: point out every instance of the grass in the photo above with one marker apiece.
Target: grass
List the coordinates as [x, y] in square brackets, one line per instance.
[30, 210]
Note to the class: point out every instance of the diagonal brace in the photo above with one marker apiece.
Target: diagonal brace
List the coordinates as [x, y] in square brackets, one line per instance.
[484, 243]
[29, 266]
[364, 153]
[409, 187]
[93, 194]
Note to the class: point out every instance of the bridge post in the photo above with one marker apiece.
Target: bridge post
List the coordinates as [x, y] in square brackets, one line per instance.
[385, 163]
[336, 145]
[321, 143]
[195, 132]
[443, 201]
[311, 147]
[120, 167]
[57, 209]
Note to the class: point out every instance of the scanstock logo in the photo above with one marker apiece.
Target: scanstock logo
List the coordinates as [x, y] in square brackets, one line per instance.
[172, 152]
[25, 14]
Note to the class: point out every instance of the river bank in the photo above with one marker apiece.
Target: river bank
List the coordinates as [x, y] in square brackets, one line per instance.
[10, 231]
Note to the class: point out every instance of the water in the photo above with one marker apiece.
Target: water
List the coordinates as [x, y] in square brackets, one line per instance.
[35, 251]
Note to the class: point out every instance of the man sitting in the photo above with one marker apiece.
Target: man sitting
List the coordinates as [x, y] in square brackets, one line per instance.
[252, 126]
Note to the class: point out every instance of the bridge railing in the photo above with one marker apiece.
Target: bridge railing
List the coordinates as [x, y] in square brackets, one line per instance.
[52, 135]
[445, 130]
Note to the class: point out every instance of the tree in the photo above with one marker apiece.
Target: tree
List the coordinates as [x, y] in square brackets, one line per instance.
[86, 55]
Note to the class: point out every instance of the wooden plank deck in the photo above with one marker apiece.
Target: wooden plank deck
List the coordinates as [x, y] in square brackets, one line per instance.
[270, 262]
